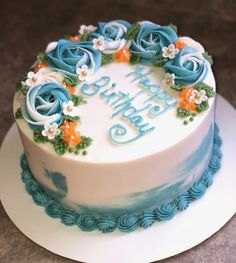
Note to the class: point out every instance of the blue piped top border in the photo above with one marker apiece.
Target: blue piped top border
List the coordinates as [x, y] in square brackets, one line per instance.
[127, 222]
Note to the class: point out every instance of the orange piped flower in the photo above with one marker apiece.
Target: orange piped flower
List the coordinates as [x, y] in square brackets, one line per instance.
[69, 127]
[68, 87]
[180, 44]
[186, 93]
[73, 139]
[123, 55]
[185, 103]
[75, 38]
[188, 105]
[71, 135]
[40, 65]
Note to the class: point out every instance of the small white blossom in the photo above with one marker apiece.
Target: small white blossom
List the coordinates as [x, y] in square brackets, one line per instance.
[33, 78]
[43, 75]
[51, 130]
[69, 109]
[170, 51]
[169, 79]
[84, 73]
[87, 29]
[198, 96]
[99, 43]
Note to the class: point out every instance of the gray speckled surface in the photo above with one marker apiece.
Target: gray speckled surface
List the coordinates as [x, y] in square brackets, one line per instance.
[26, 28]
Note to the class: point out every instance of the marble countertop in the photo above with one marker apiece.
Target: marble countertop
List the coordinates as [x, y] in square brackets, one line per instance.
[28, 27]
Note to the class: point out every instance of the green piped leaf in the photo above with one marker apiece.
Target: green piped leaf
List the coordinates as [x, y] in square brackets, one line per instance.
[71, 80]
[135, 59]
[160, 62]
[209, 90]
[208, 57]
[60, 146]
[178, 88]
[202, 107]
[43, 57]
[78, 100]
[174, 27]
[132, 31]
[85, 142]
[18, 114]
[72, 118]
[20, 86]
[183, 113]
[39, 138]
[86, 36]
[67, 36]
[107, 58]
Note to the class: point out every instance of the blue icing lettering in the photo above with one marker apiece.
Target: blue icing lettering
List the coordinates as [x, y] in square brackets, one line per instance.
[138, 73]
[118, 130]
[155, 90]
[123, 103]
[93, 88]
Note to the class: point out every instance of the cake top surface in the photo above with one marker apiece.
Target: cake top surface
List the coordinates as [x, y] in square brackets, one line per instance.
[115, 92]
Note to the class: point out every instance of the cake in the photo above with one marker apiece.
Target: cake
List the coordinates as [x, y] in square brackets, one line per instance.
[117, 124]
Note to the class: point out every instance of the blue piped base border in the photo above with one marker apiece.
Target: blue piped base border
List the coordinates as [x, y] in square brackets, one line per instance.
[127, 222]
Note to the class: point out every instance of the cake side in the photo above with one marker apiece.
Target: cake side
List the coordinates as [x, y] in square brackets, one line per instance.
[126, 222]
[125, 186]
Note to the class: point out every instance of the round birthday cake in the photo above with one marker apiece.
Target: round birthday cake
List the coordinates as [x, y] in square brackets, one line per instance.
[117, 124]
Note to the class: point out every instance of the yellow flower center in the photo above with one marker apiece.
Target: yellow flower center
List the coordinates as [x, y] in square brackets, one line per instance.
[50, 130]
[70, 108]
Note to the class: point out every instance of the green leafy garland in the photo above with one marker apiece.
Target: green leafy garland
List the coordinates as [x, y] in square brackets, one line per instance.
[60, 146]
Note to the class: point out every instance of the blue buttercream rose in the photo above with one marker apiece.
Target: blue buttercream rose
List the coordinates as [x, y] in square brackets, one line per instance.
[189, 66]
[68, 56]
[113, 33]
[44, 104]
[150, 40]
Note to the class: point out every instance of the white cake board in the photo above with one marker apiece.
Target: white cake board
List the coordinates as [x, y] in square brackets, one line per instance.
[186, 230]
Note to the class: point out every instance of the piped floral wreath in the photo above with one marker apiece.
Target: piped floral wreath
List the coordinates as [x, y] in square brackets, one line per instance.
[51, 105]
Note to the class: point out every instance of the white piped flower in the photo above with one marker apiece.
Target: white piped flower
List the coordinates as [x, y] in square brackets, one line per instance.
[43, 75]
[99, 43]
[69, 109]
[51, 130]
[84, 73]
[87, 29]
[169, 79]
[198, 96]
[170, 51]
[33, 78]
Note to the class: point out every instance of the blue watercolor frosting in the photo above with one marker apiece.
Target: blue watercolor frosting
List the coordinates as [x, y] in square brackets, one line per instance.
[69, 55]
[127, 222]
[150, 40]
[58, 179]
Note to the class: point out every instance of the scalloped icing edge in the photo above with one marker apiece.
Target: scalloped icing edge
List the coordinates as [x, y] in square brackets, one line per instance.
[128, 222]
